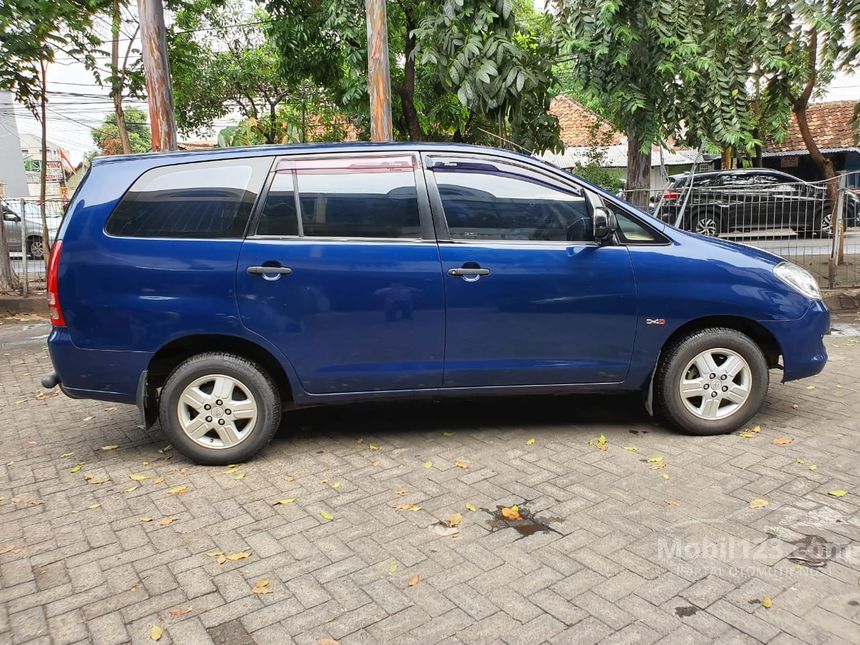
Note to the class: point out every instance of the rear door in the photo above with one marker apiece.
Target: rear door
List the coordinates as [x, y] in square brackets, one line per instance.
[531, 298]
[342, 273]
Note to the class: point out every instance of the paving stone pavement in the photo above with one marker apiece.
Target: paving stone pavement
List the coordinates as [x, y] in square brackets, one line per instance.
[626, 551]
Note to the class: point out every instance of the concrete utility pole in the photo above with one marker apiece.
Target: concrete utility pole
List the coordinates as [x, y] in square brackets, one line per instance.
[156, 68]
[378, 75]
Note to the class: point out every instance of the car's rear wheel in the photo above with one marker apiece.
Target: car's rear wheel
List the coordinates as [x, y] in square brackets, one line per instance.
[824, 225]
[711, 381]
[219, 408]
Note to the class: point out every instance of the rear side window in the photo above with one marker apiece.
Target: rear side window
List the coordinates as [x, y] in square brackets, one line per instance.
[371, 197]
[210, 200]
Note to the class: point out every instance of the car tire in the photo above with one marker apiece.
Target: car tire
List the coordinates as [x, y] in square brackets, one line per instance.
[705, 223]
[238, 392]
[681, 369]
[35, 248]
[824, 225]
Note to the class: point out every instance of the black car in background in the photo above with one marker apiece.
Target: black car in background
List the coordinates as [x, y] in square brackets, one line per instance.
[729, 201]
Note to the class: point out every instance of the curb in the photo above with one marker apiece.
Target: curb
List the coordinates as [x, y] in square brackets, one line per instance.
[841, 299]
[33, 305]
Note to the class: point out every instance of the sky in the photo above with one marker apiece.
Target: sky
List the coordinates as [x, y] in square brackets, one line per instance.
[77, 104]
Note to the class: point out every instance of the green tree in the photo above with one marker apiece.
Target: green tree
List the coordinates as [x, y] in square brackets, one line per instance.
[661, 69]
[109, 140]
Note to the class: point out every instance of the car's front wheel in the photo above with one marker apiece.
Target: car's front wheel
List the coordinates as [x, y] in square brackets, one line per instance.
[219, 409]
[705, 223]
[711, 381]
[35, 248]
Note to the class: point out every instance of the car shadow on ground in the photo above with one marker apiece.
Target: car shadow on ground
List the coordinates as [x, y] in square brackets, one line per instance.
[580, 411]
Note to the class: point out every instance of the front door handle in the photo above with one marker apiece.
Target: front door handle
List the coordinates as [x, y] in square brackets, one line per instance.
[270, 273]
[469, 274]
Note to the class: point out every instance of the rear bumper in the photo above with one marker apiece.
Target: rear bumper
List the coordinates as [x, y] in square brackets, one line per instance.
[106, 375]
[802, 342]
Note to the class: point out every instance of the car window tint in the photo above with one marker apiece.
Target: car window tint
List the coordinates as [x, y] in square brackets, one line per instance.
[197, 200]
[379, 202]
[500, 202]
[279, 215]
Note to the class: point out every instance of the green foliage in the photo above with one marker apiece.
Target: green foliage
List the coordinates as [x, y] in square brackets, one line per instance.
[106, 136]
[665, 68]
[31, 31]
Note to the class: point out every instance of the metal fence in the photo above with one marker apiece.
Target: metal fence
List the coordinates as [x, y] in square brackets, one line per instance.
[808, 223]
[22, 221]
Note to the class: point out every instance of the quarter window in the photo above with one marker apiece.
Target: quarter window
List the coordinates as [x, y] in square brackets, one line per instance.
[339, 197]
[493, 201]
[197, 200]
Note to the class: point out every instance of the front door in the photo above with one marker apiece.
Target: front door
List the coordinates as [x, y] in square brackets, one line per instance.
[342, 273]
[531, 299]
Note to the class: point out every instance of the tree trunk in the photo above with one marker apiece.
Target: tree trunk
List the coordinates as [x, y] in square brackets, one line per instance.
[8, 279]
[43, 177]
[116, 80]
[378, 74]
[406, 90]
[825, 165]
[638, 174]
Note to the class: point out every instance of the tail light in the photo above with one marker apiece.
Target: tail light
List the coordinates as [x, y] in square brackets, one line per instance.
[670, 196]
[56, 312]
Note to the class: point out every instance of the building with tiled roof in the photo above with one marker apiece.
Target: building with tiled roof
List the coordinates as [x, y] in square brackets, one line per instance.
[834, 127]
[583, 132]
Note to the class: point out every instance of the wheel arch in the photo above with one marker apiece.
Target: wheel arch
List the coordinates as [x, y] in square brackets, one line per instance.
[179, 349]
[756, 331]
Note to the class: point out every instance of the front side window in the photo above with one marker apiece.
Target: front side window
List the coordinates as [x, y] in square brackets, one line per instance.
[496, 201]
[343, 197]
[208, 200]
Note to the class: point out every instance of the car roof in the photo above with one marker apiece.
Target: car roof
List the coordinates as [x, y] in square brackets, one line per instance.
[733, 171]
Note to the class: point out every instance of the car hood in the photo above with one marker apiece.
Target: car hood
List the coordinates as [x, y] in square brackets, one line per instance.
[722, 248]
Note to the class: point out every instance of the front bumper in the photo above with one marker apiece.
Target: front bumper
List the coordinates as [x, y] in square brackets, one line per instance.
[802, 341]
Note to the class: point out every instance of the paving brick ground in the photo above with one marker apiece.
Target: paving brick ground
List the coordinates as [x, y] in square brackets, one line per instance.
[630, 553]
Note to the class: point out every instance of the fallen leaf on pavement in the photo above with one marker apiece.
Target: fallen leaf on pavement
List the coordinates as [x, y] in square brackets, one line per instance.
[289, 478]
[801, 461]
[111, 447]
[810, 387]
[414, 580]
[470, 507]
[158, 480]
[428, 464]
[671, 502]
[448, 434]
[240, 476]
[230, 471]
[746, 435]
[167, 521]
[137, 477]
[459, 463]
[76, 469]
[262, 587]
[401, 492]
[512, 513]
[177, 613]
[756, 429]
[327, 641]
[328, 517]
[781, 441]
[530, 442]
[284, 502]
[156, 633]
[813, 468]
[146, 519]
[90, 478]
[794, 406]
[336, 485]
[454, 521]
[88, 418]
[601, 443]
[767, 603]
[65, 455]
[392, 568]
[239, 555]
[654, 460]
[408, 507]
[658, 466]
[373, 447]
[94, 506]
[665, 475]
[130, 489]
[178, 490]
[758, 503]
[838, 493]
[631, 448]
[11, 549]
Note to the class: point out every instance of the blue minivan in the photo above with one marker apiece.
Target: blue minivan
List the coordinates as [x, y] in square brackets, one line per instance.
[216, 289]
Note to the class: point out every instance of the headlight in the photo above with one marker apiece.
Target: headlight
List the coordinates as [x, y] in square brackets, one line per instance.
[799, 279]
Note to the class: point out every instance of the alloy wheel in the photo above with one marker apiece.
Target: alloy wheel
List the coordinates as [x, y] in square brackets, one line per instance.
[715, 384]
[217, 411]
[706, 225]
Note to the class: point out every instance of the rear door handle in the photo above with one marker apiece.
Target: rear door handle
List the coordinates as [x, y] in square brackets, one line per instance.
[270, 273]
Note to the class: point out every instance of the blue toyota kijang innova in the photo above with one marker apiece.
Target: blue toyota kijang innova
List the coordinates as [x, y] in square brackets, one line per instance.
[216, 289]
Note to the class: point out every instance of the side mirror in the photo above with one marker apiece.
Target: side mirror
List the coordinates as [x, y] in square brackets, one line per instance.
[604, 224]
